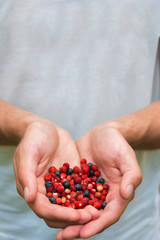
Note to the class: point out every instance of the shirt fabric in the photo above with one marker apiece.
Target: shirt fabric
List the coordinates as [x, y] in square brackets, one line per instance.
[79, 63]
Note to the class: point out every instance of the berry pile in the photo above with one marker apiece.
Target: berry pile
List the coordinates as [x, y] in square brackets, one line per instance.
[75, 187]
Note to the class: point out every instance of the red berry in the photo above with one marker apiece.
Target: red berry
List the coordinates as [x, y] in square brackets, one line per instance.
[68, 197]
[84, 176]
[52, 169]
[91, 196]
[85, 201]
[64, 199]
[63, 169]
[55, 194]
[72, 205]
[104, 192]
[49, 194]
[94, 178]
[90, 202]
[63, 175]
[66, 165]
[73, 194]
[90, 186]
[97, 173]
[83, 186]
[83, 160]
[79, 204]
[57, 179]
[99, 187]
[59, 201]
[97, 205]
[103, 198]
[67, 204]
[76, 169]
[94, 168]
[60, 188]
[93, 190]
[69, 178]
[77, 180]
[67, 191]
[98, 194]
[85, 168]
[72, 199]
[80, 173]
[72, 187]
[47, 177]
[106, 187]
[49, 189]
[79, 197]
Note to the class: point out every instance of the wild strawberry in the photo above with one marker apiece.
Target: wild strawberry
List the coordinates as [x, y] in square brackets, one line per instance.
[85, 201]
[106, 187]
[94, 168]
[72, 187]
[76, 169]
[103, 197]
[52, 169]
[99, 187]
[64, 199]
[60, 188]
[63, 169]
[93, 190]
[83, 160]
[97, 173]
[59, 201]
[98, 194]
[66, 165]
[97, 205]
[90, 202]
[79, 204]
[48, 177]
[77, 180]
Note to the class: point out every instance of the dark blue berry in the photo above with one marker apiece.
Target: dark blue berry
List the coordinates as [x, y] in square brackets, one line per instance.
[104, 204]
[69, 171]
[97, 181]
[91, 173]
[101, 180]
[53, 200]
[86, 193]
[54, 190]
[48, 184]
[58, 173]
[66, 184]
[90, 164]
[78, 186]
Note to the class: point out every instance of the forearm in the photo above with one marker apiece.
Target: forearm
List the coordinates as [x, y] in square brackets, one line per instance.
[13, 123]
[141, 129]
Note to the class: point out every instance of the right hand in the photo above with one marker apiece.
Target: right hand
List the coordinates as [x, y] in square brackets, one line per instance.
[43, 145]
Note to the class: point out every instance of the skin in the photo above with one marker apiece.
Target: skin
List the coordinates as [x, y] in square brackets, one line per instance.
[110, 145]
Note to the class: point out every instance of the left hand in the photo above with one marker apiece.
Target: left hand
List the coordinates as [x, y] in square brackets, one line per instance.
[106, 147]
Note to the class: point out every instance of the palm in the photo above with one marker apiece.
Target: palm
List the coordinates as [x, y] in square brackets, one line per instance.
[43, 145]
[116, 160]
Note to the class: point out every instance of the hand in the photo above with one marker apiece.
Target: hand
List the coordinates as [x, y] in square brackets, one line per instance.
[107, 148]
[45, 144]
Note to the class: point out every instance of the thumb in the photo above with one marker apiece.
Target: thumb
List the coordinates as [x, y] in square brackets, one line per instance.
[131, 178]
[26, 169]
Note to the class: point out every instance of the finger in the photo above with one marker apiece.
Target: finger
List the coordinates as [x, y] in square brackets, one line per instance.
[131, 176]
[26, 172]
[72, 232]
[69, 233]
[44, 209]
[110, 215]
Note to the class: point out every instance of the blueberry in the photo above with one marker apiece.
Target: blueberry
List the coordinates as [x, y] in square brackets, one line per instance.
[97, 181]
[90, 164]
[78, 186]
[54, 190]
[101, 180]
[66, 184]
[86, 193]
[58, 173]
[53, 200]
[104, 204]
[91, 173]
[69, 171]
[48, 184]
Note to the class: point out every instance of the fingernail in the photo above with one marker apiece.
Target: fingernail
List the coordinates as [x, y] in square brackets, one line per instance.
[26, 194]
[129, 191]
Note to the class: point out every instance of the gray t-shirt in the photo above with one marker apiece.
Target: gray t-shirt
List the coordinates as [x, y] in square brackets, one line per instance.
[79, 63]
